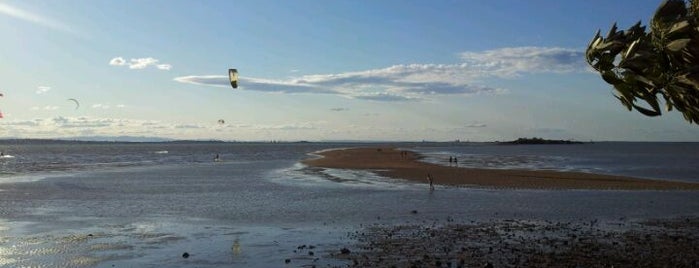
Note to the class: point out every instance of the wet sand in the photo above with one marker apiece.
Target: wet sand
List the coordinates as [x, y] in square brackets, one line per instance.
[393, 163]
[425, 242]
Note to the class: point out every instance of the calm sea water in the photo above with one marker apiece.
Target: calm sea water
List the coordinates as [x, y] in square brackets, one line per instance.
[144, 204]
[673, 161]
[658, 160]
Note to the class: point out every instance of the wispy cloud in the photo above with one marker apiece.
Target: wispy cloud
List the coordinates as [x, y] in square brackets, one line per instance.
[70, 126]
[510, 62]
[42, 89]
[101, 106]
[33, 18]
[189, 126]
[339, 109]
[475, 125]
[414, 82]
[165, 67]
[140, 63]
[47, 108]
[384, 97]
[294, 126]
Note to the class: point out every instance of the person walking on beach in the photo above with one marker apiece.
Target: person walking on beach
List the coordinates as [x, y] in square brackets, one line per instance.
[431, 181]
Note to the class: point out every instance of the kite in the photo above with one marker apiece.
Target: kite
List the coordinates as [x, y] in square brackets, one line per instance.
[233, 75]
[77, 104]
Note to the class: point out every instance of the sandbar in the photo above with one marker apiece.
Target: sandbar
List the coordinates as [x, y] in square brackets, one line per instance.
[394, 163]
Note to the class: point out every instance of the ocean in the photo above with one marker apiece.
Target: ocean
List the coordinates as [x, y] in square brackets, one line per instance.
[101, 204]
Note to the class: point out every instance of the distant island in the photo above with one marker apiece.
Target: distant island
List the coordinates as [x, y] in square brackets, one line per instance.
[540, 141]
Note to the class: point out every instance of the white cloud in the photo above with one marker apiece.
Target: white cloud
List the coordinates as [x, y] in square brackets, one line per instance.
[384, 97]
[166, 67]
[73, 126]
[42, 89]
[140, 63]
[47, 108]
[414, 82]
[118, 61]
[509, 62]
[100, 106]
[189, 126]
[293, 126]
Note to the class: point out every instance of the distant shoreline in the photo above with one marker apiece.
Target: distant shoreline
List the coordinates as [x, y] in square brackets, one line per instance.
[393, 163]
[540, 141]
[133, 139]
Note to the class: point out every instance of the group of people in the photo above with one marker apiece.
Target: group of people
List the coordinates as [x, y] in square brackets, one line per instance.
[453, 160]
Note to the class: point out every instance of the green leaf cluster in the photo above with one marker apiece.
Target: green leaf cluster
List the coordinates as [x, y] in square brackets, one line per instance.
[664, 61]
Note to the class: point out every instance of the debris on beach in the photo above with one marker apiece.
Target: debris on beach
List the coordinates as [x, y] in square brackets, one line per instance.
[526, 243]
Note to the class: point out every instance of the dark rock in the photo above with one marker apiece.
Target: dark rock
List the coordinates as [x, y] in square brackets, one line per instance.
[287, 261]
[413, 212]
[488, 265]
[185, 255]
[345, 251]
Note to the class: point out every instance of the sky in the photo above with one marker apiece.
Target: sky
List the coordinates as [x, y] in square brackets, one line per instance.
[385, 70]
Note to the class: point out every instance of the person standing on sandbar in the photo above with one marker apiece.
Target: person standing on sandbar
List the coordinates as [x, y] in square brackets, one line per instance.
[431, 181]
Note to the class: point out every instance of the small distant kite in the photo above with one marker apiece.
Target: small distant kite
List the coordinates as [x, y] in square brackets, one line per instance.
[77, 104]
[233, 76]
[221, 122]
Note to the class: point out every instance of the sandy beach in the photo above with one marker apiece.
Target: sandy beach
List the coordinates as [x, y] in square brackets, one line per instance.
[394, 163]
[537, 242]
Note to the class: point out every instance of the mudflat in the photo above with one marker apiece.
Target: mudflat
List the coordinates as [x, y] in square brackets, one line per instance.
[394, 163]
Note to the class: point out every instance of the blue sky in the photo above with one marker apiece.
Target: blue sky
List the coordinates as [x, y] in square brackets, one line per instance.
[316, 70]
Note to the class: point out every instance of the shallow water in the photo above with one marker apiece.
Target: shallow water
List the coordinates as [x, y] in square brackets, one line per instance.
[256, 208]
[657, 160]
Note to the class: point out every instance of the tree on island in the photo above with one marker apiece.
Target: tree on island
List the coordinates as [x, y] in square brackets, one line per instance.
[663, 61]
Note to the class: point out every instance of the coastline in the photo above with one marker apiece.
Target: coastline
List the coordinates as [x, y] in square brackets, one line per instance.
[393, 163]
